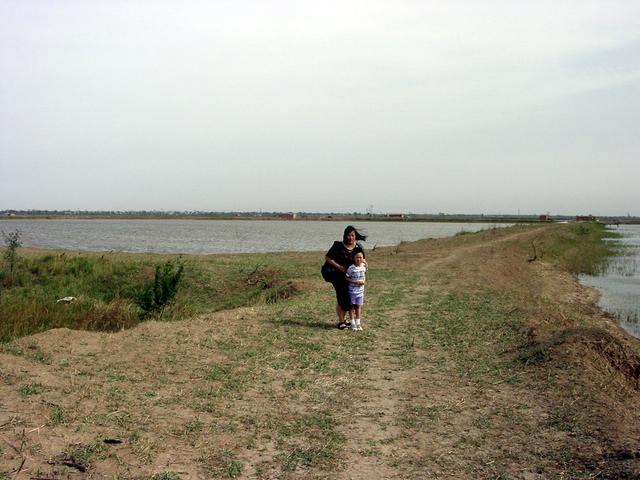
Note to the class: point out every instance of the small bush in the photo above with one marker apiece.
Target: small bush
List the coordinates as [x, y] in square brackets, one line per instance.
[12, 242]
[155, 295]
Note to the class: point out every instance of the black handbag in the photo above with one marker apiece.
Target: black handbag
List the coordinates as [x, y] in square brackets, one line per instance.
[329, 272]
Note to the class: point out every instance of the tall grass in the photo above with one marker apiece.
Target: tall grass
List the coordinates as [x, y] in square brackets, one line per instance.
[578, 247]
[117, 291]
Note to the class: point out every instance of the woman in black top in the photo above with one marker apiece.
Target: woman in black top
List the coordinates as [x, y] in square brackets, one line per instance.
[340, 256]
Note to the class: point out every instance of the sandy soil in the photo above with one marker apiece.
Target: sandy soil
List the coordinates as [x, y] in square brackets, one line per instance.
[248, 393]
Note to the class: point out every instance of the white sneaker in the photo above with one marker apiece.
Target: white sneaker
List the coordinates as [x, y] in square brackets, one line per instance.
[358, 327]
[354, 327]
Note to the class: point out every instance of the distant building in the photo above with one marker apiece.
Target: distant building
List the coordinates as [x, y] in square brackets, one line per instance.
[586, 218]
[545, 218]
[394, 215]
[288, 216]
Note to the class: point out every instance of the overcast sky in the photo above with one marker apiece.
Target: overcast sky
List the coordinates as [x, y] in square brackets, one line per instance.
[395, 106]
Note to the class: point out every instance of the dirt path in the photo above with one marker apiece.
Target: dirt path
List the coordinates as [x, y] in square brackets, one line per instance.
[428, 419]
[397, 387]
[464, 370]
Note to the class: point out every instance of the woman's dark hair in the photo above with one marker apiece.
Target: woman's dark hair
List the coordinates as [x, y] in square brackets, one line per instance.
[351, 228]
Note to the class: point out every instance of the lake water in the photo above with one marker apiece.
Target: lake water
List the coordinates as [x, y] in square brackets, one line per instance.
[619, 282]
[218, 236]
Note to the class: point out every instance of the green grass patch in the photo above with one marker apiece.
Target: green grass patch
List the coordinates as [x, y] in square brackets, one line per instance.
[475, 330]
[58, 415]
[166, 476]
[577, 247]
[82, 456]
[234, 469]
[311, 440]
[115, 291]
[221, 463]
[31, 389]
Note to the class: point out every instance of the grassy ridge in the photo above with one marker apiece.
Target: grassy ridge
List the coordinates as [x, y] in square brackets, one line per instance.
[108, 286]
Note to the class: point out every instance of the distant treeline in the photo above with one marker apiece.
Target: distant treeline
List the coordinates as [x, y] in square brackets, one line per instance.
[353, 216]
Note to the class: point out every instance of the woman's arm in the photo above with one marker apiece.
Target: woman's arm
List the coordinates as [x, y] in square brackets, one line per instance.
[331, 261]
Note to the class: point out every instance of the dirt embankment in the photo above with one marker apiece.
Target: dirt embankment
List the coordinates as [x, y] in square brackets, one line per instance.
[474, 363]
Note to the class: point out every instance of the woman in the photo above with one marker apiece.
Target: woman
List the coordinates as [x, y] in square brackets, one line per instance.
[340, 257]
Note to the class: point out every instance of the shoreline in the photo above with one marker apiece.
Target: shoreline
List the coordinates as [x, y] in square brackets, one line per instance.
[321, 218]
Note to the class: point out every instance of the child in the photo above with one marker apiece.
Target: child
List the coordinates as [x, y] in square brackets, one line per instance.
[356, 277]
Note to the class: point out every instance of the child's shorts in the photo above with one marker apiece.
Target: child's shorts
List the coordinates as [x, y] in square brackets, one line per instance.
[356, 298]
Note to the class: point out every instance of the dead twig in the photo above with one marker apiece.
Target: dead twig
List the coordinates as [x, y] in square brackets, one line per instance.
[36, 429]
[24, 459]
[11, 445]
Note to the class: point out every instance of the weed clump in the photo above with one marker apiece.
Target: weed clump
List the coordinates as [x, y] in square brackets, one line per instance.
[166, 476]
[81, 456]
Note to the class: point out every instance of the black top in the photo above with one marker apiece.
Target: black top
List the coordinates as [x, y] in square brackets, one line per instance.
[342, 255]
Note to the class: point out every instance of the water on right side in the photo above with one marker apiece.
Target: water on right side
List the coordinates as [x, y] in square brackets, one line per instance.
[619, 280]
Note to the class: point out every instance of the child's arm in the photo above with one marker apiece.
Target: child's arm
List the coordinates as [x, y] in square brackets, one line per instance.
[359, 281]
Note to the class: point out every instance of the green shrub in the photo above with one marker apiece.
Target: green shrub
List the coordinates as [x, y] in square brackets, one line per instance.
[155, 295]
[12, 242]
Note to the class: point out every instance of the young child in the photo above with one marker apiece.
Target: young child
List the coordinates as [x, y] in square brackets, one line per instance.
[356, 277]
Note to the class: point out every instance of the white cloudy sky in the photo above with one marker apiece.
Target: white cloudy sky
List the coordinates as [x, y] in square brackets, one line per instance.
[415, 106]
